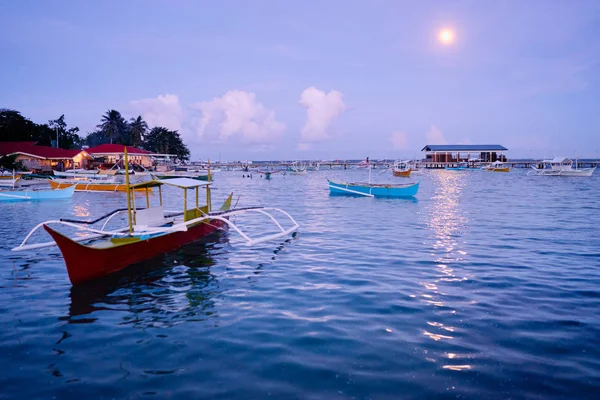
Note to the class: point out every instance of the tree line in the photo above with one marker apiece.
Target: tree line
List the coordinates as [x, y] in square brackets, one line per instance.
[113, 128]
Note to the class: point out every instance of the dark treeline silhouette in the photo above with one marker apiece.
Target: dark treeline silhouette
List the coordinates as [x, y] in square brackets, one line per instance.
[113, 128]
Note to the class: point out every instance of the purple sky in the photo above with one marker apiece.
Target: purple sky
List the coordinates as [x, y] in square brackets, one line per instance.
[314, 79]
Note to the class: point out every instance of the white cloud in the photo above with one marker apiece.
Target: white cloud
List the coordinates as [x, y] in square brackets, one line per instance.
[399, 140]
[237, 113]
[160, 111]
[321, 110]
[435, 136]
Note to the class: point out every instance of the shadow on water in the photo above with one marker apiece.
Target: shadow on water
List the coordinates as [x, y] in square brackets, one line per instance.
[163, 291]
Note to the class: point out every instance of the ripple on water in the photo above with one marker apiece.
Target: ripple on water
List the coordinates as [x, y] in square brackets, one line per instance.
[464, 293]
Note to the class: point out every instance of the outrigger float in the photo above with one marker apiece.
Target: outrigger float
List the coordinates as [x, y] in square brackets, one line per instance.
[150, 231]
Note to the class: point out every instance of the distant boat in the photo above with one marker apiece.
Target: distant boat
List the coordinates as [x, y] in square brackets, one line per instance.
[79, 176]
[204, 170]
[78, 173]
[297, 169]
[496, 166]
[314, 167]
[401, 168]
[184, 173]
[462, 166]
[415, 169]
[374, 189]
[33, 194]
[268, 173]
[9, 179]
[560, 166]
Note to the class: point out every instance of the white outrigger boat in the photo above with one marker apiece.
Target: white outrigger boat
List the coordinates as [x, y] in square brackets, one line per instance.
[84, 174]
[559, 166]
[9, 180]
[149, 232]
[297, 169]
[415, 168]
[76, 172]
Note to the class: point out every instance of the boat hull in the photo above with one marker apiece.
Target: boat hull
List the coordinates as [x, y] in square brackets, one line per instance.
[94, 186]
[401, 173]
[29, 195]
[572, 172]
[343, 188]
[462, 169]
[579, 172]
[85, 263]
[186, 175]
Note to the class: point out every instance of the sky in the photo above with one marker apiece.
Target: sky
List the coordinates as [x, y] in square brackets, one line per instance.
[327, 79]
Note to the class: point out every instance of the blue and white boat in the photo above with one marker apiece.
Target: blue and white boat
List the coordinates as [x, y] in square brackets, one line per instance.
[374, 189]
[462, 166]
[34, 194]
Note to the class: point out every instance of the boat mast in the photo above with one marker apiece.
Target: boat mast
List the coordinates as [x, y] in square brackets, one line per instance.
[125, 161]
[208, 205]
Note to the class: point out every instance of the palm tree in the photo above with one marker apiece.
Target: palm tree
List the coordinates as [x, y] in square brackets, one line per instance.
[137, 130]
[113, 126]
[163, 141]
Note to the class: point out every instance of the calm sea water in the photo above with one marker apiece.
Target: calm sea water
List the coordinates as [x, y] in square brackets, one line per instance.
[486, 286]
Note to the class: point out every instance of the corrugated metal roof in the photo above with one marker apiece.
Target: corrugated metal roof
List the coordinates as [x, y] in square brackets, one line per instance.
[45, 152]
[464, 147]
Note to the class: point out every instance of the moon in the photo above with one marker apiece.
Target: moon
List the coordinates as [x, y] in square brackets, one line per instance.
[446, 36]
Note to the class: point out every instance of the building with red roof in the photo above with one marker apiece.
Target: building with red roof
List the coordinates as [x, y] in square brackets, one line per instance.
[112, 153]
[44, 157]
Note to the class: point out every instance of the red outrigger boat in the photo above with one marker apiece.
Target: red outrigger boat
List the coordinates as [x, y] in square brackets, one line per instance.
[151, 231]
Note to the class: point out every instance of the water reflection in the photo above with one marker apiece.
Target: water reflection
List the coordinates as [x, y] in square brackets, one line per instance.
[81, 210]
[173, 288]
[447, 222]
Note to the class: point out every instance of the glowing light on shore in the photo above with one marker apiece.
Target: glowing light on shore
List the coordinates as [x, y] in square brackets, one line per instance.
[446, 36]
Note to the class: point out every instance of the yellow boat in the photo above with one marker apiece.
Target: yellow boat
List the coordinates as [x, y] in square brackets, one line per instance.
[401, 168]
[95, 186]
[497, 166]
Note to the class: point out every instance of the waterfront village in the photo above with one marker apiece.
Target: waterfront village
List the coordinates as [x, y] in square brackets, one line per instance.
[44, 149]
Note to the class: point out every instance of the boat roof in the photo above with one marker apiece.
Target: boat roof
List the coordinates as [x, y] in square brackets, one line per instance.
[558, 160]
[183, 183]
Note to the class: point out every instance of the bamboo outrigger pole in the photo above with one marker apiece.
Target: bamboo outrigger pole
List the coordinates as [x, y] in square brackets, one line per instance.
[128, 191]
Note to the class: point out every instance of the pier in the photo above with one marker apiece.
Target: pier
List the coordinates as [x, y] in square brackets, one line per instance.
[384, 164]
